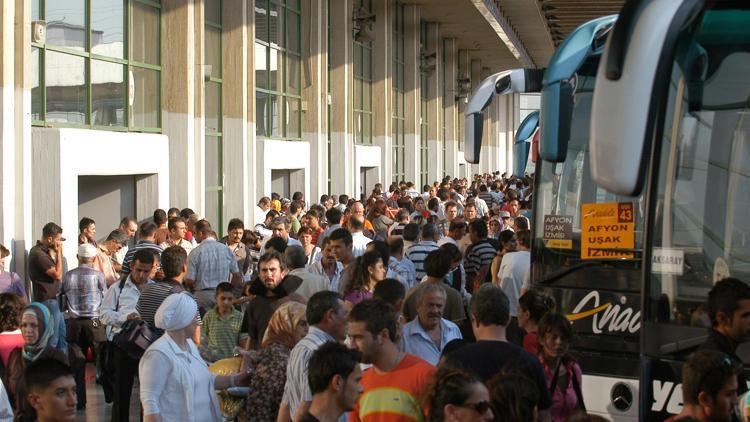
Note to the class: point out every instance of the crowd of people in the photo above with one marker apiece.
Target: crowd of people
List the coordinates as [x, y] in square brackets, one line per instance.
[402, 306]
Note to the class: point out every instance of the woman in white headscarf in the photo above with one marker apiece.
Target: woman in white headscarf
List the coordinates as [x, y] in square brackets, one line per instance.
[175, 382]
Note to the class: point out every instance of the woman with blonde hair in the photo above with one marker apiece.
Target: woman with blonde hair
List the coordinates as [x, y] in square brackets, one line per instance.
[288, 325]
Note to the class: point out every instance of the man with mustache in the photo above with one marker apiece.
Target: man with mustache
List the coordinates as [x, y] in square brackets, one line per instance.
[427, 334]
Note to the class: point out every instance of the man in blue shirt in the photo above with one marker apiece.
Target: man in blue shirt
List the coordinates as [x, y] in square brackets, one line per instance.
[427, 334]
[209, 264]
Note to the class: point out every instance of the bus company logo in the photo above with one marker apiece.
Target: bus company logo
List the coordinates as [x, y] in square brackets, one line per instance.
[610, 317]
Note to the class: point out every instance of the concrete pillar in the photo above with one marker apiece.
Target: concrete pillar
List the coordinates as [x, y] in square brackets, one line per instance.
[411, 93]
[315, 93]
[382, 88]
[234, 108]
[252, 180]
[7, 123]
[475, 70]
[449, 103]
[489, 137]
[22, 230]
[464, 73]
[180, 55]
[434, 102]
[199, 101]
[342, 71]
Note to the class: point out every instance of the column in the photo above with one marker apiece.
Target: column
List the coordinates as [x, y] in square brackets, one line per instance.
[412, 92]
[235, 129]
[7, 124]
[382, 88]
[342, 72]
[434, 101]
[315, 93]
[451, 109]
[21, 230]
[180, 58]
[475, 69]
[251, 180]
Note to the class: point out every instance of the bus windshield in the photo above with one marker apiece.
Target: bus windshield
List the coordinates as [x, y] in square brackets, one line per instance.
[562, 188]
[701, 233]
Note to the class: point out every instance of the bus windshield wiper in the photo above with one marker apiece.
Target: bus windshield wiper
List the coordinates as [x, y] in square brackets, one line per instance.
[585, 264]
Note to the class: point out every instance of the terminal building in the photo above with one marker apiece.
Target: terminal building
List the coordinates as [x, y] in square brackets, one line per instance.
[117, 107]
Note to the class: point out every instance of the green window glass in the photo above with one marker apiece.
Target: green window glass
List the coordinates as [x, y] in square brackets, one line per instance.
[398, 115]
[363, 85]
[278, 69]
[100, 65]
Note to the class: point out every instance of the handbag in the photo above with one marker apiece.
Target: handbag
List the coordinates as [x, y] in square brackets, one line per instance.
[135, 335]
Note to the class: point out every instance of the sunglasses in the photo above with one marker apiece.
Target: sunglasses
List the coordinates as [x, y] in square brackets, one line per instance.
[480, 407]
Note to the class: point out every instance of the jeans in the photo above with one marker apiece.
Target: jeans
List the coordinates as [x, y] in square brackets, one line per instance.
[58, 323]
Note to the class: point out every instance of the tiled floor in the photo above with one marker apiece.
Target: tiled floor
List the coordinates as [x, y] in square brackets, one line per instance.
[96, 409]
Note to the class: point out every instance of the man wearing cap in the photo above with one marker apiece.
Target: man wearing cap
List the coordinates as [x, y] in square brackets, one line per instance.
[505, 220]
[84, 289]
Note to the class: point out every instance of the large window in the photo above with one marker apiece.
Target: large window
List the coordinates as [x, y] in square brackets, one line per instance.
[100, 65]
[363, 84]
[214, 141]
[278, 65]
[397, 81]
[423, 120]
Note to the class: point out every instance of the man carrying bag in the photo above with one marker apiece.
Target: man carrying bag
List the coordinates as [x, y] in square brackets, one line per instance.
[117, 312]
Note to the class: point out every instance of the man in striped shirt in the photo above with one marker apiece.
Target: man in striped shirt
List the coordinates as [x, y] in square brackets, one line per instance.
[418, 252]
[328, 320]
[174, 265]
[146, 240]
[481, 252]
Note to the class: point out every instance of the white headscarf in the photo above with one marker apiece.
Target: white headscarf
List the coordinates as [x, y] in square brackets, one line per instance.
[176, 312]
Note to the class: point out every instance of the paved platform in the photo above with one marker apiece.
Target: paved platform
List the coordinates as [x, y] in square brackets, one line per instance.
[96, 409]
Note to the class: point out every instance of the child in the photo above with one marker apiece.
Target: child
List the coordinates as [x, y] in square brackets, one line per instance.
[220, 332]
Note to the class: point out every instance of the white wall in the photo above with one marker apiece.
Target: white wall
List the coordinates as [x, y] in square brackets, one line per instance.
[277, 155]
[84, 152]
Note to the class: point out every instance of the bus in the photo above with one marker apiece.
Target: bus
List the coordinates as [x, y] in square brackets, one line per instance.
[596, 284]
[670, 124]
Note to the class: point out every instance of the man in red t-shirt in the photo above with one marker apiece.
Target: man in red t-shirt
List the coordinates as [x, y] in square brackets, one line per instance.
[395, 386]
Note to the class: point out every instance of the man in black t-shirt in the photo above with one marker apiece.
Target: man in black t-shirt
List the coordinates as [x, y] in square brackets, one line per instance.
[334, 376]
[492, 354]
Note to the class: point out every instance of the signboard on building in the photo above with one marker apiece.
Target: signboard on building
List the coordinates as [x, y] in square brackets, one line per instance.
[607, 230]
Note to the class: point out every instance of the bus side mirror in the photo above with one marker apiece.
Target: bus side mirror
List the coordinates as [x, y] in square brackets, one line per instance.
[556, 117]
[522, 142]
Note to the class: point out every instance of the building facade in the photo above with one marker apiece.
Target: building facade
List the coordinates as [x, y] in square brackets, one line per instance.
[117, 107]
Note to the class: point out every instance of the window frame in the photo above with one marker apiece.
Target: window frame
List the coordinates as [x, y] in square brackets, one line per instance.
[127, 63]
[285, 6]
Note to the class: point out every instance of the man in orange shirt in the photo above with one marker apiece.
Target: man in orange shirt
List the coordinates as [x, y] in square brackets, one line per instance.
[396, 384]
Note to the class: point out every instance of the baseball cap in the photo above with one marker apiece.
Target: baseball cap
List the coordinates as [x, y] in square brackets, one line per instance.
[504, 214]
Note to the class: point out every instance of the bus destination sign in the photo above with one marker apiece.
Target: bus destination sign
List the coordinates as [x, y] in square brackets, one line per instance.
[558, 231]
[607, 230]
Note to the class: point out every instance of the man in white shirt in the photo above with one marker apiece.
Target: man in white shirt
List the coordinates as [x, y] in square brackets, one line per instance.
[456, 232]
[513, 269]
[359, 240]
[311, 283]
[118, 306]
[328, 267]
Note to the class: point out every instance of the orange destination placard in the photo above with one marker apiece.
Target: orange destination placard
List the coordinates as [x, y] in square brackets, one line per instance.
[607, 230]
